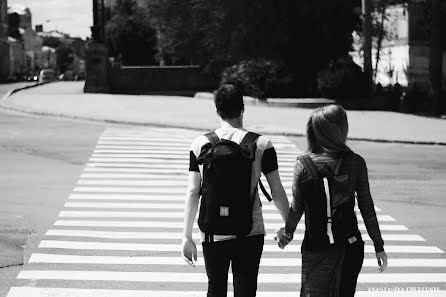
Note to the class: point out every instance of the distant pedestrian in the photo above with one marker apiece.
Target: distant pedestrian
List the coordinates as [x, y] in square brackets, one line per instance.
[326, 182]
[225, 168]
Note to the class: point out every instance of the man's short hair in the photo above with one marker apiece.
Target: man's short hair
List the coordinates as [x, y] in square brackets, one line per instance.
[228, 100]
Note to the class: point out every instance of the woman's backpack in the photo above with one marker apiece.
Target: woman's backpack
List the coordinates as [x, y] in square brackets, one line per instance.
[329, 200]
[226, 202]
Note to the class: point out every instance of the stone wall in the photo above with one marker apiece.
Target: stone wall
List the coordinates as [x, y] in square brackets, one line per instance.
[145, 80]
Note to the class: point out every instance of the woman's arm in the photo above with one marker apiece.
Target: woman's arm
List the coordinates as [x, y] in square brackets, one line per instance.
[367, 207]
[285, 234]
[297, 206]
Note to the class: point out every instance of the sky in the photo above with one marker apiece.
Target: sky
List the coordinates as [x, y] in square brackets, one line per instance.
[74, 17]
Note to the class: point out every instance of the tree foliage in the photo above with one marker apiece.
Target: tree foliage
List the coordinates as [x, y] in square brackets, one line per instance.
[14, 25]
[129, 34]
[65, 57]
[304, 35]
[51, 41]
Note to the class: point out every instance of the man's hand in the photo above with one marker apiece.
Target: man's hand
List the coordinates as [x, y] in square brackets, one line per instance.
[382, 260]
[283, 237]
[189, 251]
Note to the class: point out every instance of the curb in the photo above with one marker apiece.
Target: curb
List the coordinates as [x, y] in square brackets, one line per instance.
[14, 108]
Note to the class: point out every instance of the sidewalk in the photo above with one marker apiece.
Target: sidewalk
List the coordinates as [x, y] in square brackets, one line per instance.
[67, 99]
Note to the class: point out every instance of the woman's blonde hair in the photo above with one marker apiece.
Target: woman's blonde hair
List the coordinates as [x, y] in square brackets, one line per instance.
[327, 130]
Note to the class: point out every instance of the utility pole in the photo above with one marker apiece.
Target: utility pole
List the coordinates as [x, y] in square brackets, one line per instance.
[367, 46]
[436, 57]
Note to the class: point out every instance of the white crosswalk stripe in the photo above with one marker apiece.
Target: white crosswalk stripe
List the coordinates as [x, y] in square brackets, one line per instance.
[121, 227]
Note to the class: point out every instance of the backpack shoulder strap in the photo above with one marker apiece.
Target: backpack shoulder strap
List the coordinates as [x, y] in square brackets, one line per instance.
[338, 166]
[265, 192]
[309, 165]
[250, 137]
[212, 137]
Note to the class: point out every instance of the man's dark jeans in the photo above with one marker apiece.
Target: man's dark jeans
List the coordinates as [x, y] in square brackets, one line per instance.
[244, 255]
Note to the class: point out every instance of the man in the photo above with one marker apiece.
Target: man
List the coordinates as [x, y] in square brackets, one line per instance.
[243, 252]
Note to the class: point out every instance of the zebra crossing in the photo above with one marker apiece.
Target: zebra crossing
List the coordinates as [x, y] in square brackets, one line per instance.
[119, 232]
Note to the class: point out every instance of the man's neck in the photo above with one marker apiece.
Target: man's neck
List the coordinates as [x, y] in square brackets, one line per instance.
[232, 123]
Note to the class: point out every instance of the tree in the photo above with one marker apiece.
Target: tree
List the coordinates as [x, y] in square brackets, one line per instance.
[65, 57]
[367, 31]
[14, 25]
[305, 35]
[51, 41]
[129, 34]
[177, 38]
[436, 56]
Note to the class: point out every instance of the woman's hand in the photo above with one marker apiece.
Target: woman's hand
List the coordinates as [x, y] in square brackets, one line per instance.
[189, 251]
[283, 237]
[382, 260]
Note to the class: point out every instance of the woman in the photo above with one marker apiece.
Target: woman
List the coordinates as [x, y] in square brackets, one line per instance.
[332, 249]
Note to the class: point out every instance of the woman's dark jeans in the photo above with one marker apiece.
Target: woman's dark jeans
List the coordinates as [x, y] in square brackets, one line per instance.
[244, 255]
[351, 266]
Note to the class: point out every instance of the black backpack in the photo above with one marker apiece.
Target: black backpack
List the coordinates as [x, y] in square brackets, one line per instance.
[322, 186]
[226, 200]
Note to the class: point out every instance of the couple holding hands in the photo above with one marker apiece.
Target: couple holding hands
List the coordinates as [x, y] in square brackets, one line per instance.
[224, 173]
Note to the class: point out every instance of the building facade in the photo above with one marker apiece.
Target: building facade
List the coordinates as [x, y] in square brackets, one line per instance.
[4, 46]
[404, 52]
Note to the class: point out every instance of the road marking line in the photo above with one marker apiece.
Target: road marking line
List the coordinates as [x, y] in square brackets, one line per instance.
[139, 160]
[132, 152]
[160, 161]
[165, 182]
[161, 148]
[136, 165]
[166, 155]
[152, 140]
[178, 198]
[159, 171]
[149, 183]
[164, 247]
[185, 146]
[69, 292]
[140, 152]
[130, 190]
[179, 225]
[166, 172]
[264, 262]
[268, 207]
[178, 235]
[169, 277]
[178, 214]
[132, 175]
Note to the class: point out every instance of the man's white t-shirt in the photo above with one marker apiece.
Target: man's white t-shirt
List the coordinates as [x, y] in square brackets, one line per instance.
[265, 162]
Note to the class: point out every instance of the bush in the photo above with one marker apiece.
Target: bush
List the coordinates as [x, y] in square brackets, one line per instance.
[258, 78]
[343, 79]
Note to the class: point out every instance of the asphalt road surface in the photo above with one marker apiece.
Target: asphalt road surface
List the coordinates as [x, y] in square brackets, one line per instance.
[98, 209]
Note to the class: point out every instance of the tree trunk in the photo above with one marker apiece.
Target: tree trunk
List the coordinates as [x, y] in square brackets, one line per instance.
[436, 58]
[367, 31]
[380, 38]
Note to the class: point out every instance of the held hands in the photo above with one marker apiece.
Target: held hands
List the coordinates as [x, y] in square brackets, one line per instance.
[382, 260]
[189, 251]
[283, 237]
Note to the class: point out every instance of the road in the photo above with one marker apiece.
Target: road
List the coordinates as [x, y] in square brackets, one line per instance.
[99, 208]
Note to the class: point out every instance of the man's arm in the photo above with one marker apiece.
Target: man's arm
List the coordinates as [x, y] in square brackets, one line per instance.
[192, 200]
[189, 249]
[278, 193]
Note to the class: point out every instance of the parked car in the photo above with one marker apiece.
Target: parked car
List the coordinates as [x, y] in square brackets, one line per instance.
[80, 76]
[47, 75]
